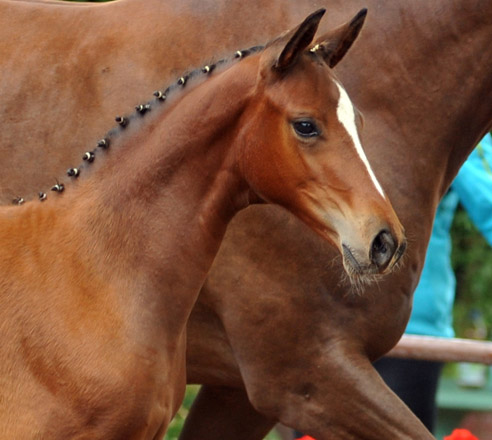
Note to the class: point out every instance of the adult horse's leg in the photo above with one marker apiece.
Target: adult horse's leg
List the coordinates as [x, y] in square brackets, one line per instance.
[278, 365]
[224, 412]
[294, 339]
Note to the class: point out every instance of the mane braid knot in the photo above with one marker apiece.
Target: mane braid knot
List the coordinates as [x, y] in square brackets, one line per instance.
[122, 121]
[59, 187]
[89, 156]
[73, 172]
[142, 108]
[103, 143]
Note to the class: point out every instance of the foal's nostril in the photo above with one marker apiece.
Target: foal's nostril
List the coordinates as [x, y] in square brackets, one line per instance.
[382, 250]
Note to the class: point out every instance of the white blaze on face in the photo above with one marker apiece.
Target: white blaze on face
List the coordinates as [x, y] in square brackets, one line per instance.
[346, 116]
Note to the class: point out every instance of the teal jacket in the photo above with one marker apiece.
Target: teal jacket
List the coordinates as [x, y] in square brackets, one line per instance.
[434, 296]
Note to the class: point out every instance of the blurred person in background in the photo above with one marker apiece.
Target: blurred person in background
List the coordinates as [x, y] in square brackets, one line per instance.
[416, 381]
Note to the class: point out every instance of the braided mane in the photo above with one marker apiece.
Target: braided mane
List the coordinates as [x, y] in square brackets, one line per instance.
[160, 97]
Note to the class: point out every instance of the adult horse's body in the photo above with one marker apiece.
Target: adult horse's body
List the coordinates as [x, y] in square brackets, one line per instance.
[421, 76]
[98, 280]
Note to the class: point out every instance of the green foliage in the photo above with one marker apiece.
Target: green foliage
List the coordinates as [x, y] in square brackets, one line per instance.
[472, 262]
[177, 423]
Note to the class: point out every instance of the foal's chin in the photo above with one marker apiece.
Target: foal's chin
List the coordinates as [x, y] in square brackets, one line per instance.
[361, 276]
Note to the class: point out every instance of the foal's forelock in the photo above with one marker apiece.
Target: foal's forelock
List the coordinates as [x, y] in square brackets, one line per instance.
[346, 116]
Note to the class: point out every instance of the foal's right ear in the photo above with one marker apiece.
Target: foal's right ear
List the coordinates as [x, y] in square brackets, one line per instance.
[297, 40]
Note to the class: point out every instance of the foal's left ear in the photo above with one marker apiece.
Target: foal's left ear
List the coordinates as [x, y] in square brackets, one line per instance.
[334, 45]
[298, 40]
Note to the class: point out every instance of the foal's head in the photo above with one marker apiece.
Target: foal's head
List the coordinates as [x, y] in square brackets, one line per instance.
[305, 152]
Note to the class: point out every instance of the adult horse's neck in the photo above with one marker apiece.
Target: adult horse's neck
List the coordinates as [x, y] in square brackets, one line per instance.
[428, 82]
[421, 76]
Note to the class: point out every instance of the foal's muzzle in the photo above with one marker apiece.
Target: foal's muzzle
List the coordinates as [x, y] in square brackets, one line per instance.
[384, 253]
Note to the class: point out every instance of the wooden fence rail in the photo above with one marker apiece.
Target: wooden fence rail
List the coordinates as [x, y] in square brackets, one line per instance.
[443, 349]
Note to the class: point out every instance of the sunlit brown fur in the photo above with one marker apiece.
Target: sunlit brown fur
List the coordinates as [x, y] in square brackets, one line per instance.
[420, 74]
[98, 281]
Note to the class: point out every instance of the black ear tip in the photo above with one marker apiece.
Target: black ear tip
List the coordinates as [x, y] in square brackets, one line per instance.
[316, 15]
[361, 16]
[312, 20]
[298, 40]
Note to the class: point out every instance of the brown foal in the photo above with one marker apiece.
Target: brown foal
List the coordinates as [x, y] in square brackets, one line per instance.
[100, 276]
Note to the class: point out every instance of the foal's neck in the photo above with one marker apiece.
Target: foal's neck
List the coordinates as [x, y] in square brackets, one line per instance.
[174, 180]
[152, 208]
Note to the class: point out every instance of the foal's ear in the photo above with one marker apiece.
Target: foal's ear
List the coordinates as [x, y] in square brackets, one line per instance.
[297, 40]
[334, 45]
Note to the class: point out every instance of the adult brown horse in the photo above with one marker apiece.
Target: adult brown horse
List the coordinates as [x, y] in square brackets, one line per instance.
[421, 76]
[98, 280]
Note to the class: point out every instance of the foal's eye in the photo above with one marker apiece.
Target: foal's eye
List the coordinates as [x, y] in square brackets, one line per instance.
[306, 128]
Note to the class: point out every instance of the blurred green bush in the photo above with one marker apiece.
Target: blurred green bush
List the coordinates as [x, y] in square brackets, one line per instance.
[472, 262]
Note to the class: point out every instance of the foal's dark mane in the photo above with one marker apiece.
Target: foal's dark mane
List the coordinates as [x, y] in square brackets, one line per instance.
[160, 97]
